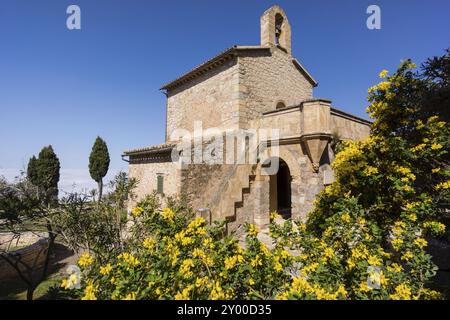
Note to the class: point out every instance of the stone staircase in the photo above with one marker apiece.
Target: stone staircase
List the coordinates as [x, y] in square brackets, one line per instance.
[233, 199]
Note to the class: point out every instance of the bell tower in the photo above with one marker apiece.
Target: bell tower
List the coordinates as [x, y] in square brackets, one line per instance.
[275, 29]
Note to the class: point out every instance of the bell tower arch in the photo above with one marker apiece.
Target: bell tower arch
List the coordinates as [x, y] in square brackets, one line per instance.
[275, 29]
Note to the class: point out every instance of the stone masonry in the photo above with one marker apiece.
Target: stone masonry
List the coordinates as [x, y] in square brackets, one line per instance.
[247, 88]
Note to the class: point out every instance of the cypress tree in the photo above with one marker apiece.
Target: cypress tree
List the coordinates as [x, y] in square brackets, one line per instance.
[48, 167]
[32, 171]
[99, 163]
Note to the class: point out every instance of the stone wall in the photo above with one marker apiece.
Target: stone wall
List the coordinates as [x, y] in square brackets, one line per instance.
[32, 256]
[264, 81]
[10, 240]
[348, 127]
[147, 173]
[287, 121]
[211, 98]
[201, 183]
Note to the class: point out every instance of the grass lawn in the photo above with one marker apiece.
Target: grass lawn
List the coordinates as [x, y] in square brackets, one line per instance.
[17, 290]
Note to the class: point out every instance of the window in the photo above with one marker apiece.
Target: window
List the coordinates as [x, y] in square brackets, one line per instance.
[278, 28]
[281, 105]
[160, 184]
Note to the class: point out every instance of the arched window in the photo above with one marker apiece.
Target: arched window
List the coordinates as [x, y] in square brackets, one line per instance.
[281, 105]
[278, 27]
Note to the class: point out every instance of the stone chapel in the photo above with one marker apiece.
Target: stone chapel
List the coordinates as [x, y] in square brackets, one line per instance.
[245, 88]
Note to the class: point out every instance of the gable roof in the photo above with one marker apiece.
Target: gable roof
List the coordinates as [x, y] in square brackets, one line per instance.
[221, 59]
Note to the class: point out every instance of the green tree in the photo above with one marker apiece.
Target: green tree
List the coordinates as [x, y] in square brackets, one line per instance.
[48, 167]
[99, 163]
[32, 171]
[23, 211]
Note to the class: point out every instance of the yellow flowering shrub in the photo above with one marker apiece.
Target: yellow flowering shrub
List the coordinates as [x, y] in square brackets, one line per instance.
[366, 237]
[396, 180]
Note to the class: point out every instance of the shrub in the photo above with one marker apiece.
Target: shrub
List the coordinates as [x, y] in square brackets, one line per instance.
[365, 238]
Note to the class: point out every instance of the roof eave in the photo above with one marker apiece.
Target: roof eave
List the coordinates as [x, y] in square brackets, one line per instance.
[216, 61]
[305, 72]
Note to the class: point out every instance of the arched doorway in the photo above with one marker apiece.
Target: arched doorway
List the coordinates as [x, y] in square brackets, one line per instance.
[284, 203]
[280, 190]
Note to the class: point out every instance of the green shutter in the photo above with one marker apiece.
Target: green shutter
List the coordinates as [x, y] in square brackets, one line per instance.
[160, 186]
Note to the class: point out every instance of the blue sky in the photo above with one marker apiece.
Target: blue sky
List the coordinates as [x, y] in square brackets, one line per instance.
[64, 87]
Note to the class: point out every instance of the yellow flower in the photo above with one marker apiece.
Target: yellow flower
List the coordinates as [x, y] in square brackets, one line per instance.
[419, 147]
[185, 294]
[129, 259]
[187, 241]
[407, 256]
[70, 283]
[412, 205]
[251, 281]
[443, 185]
[278, 267]
[137, 211]
[230, 262]
[201, 282]
[105, 270]
[308, 269]
[285, 254]
[181, 237]
[130, 296]
[168, 214]
[436, 146]
[149, 243]
[363, 287]
[436, 170]
[264, 249]
[381, 86]
[350, 264]
[252, 230]
[85, 260]
[208, 243]
[185, 268]
[362, 221]
[396, 243]
[217, 292]
[407, 188]
[274, 215]
[395, 267]
[198, 253]
[345, 217]
[403, 170]
[370, 171]
[419, 124]
[196, 223]
[256, 262]
[201, 231]
[402, 292]
[341, 291]
[420, 242]
[174, 252]
[328, 253]
[374, 261]
[398, 228]
[383, 73]
[89, 292]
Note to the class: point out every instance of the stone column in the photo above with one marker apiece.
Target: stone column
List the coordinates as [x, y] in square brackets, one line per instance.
[261, 187]
[296, 198]
[205, 214]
